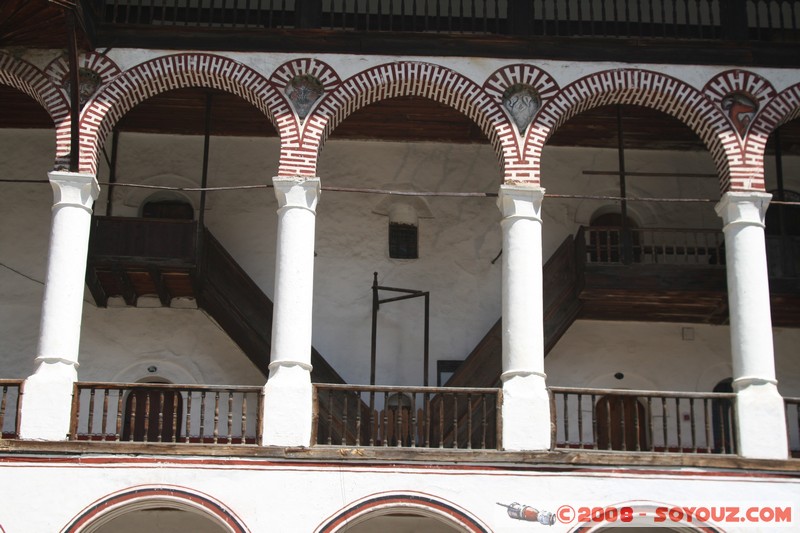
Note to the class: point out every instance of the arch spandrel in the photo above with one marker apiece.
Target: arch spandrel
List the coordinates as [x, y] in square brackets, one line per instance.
[783, 108]
[392, 80]
[644, 88]
[169, 72]
[30, 80]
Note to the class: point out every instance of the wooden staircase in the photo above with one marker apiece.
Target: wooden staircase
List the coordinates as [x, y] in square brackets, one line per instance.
[136, 261]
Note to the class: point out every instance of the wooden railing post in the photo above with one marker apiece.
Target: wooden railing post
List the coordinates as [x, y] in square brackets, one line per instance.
[520, 17]
[308, 14]
[734, 20]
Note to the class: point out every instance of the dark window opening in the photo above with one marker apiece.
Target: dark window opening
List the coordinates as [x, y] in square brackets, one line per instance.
[403, 241]
[172, 209]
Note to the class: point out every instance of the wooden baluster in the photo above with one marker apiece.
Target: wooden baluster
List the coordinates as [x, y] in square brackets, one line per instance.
[455, 420]
[216, 416]
[413, 428]
[103, 418]
[637, 423]
[244, 417]
[175, 405]
[706, 417]
[580, 420]
[202, 415]
[90, 428]
[118, 428]
[344, 420]
[595, 445]
[357, 403]
[161, 406]
[692, 420]
[650, 423]
[372, 413]
[484, 422]
[133, 416]
[230, 417]
[188, 417]
[427, 420]
[469, 421]
[565, 403]
[146, 417]
[330, 416]
[386, 426]
[3, 409]
[441, 422]
[664, 422]
[678, 423]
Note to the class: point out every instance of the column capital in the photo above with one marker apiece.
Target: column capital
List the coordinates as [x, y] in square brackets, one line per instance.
[297, 192]
[520, 201]
[73, 189]
[745, 207]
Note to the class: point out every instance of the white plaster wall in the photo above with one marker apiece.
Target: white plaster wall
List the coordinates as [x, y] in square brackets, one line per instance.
[290, 498]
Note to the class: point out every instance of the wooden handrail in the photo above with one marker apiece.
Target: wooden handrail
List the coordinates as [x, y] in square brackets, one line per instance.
[643, 420]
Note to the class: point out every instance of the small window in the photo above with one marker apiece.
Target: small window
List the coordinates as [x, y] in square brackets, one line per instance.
[403, 239]
[172, 209]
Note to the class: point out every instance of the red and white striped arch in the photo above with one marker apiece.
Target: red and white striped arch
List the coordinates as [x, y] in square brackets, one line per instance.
[645, 88]
[165, 73]
[783, 108]
[403, 78]
[31, 81]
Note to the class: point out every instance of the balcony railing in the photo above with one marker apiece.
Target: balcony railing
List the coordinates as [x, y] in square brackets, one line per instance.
[9, 408]
[793, 425]
[148, 412]
[644, 421]
[770, 20]
[656, 246]
[407, 417]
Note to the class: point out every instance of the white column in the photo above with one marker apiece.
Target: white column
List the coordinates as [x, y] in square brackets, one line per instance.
[288, 394]
[47, 397]
[760, 412]
[526, 403]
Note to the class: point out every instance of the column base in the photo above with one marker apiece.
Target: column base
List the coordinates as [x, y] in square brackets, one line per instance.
[46, 402]
[760, 420]
[526, 413]
[288, 409]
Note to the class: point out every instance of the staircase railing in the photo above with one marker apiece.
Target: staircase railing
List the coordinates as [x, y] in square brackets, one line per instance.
[408, 417]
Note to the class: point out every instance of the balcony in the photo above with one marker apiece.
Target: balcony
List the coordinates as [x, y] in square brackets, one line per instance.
[501, 28]
[361, 418]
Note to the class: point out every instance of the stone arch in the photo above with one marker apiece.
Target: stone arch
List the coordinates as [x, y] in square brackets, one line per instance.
[645, 88]
[783, 108]
[172, 72]
[423, 504]
[30, 80]
[403, 78]
[143, 497]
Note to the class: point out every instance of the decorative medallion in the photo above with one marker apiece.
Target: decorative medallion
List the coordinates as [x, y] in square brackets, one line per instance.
[741, 110]
[303, 91]
[522, 101]
[88, 82]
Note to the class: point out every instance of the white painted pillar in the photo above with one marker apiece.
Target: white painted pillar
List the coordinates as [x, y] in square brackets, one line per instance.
[288, 394]
[526, 403]
[47, 397]
[760, 411]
